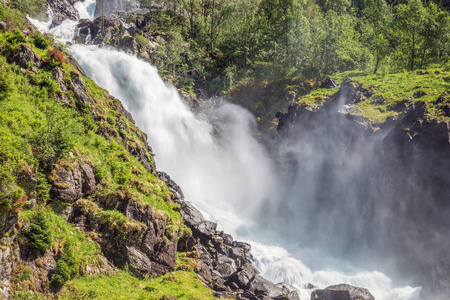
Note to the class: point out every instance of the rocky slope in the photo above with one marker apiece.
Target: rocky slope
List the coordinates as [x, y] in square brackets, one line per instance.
[99, 186]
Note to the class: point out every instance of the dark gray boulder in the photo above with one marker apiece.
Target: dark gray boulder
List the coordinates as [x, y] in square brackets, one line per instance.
[79, 89]
[25, 56]
[89, 183]
[67, 185]
[242, 277]
[190, 214]
[342, 292]
[328, 83]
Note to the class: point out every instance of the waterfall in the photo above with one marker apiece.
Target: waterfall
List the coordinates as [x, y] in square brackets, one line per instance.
[230, 179]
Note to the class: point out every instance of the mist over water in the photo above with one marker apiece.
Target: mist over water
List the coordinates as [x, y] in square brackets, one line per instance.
[235, 181]
[300, 208]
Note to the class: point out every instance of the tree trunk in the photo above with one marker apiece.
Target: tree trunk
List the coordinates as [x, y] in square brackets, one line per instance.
[212, 28]
[377, 63]
[423, 53]
[413, 50]
[191, 20]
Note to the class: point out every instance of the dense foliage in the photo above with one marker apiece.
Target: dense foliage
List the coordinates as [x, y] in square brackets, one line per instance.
[38, 232]
[308, 38]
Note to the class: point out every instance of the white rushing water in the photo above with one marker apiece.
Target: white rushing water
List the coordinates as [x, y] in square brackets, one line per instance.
[226, 179]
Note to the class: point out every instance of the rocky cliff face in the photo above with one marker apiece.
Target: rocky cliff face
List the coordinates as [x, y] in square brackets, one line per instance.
[393, 182]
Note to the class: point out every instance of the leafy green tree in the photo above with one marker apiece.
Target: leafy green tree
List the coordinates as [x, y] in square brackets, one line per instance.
[435, 34]
[409, 20]
[375, 22]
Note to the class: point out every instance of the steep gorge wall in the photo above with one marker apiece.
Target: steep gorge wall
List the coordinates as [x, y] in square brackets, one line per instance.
[380, 195]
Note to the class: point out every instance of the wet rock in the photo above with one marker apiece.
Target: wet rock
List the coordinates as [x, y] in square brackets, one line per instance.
[342, 292]
[68, 184]
[262, 287]
[367, 92]
[25, 56]
[328, 83]
[225, 266]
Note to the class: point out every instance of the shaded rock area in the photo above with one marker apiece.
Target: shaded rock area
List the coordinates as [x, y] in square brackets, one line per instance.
[400, 199]
[342, 292]
[225, 264]
[63, 10]
[328, 83]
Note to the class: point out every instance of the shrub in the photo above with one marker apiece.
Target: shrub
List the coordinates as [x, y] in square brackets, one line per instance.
[99, 173]
[43, 188]
[55, 58]
[143, 43]
[66, 267]
[40, 41]
[38, 232]
[61, 274]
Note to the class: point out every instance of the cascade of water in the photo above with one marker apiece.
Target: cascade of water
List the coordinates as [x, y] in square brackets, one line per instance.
[230, 179]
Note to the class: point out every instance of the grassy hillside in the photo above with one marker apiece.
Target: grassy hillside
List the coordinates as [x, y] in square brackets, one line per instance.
[52, 127]
[383, 94]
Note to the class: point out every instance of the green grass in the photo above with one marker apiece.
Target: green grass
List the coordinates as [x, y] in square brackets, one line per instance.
[395, 88]
[388, 91]
[183, 285]
[87, 251]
